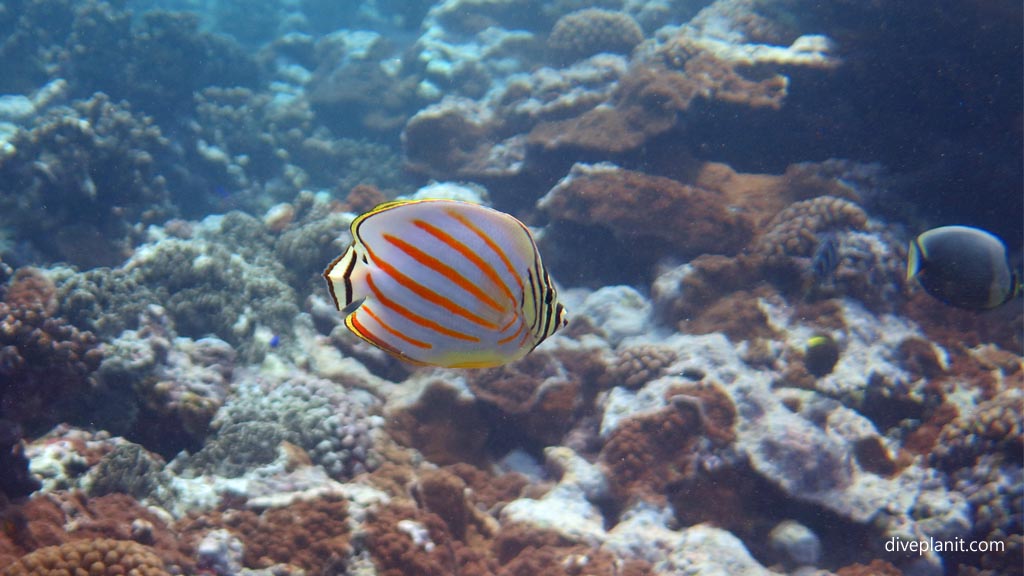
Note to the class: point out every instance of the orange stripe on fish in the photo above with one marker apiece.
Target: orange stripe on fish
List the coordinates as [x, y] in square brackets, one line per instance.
[490, 244]
[441, 268]
[428, 294]
[513, 336]
[392, 331]
[415, 318]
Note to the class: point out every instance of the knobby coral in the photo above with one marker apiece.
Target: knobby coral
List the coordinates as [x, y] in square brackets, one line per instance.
[101, 556]
[586, 32]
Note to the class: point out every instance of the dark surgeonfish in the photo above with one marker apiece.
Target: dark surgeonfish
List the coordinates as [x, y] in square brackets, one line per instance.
[962, 266]
[445, 283]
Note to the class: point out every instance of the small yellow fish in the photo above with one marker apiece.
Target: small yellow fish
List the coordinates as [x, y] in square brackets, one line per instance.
[445, 283]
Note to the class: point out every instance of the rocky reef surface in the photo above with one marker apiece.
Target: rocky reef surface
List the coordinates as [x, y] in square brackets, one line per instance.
[178, 394]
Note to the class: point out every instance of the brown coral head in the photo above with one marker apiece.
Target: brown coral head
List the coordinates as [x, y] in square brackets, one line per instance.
[31, 288]
[584, 33]
[93, 557]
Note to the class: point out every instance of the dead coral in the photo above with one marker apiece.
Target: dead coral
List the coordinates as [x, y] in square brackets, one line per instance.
[586, 32]
[100, 556]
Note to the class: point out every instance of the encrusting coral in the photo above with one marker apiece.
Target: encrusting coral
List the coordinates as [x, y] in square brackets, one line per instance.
[538, 394]
[993, 427]
[636, 206]
[648, 453]
[311, 535]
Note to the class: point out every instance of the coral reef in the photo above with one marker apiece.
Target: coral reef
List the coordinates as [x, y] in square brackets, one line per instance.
[209, 412]
[648, 453]
[793, 231]
[204, 287]
[992, 428]
[639, 364]
[264, 148]
[311, 535]
[538, 395]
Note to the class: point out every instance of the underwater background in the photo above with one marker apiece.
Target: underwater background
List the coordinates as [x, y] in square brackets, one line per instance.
[723, 191]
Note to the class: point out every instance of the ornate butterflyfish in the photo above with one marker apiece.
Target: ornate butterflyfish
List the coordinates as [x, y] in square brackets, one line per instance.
[445, 283]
